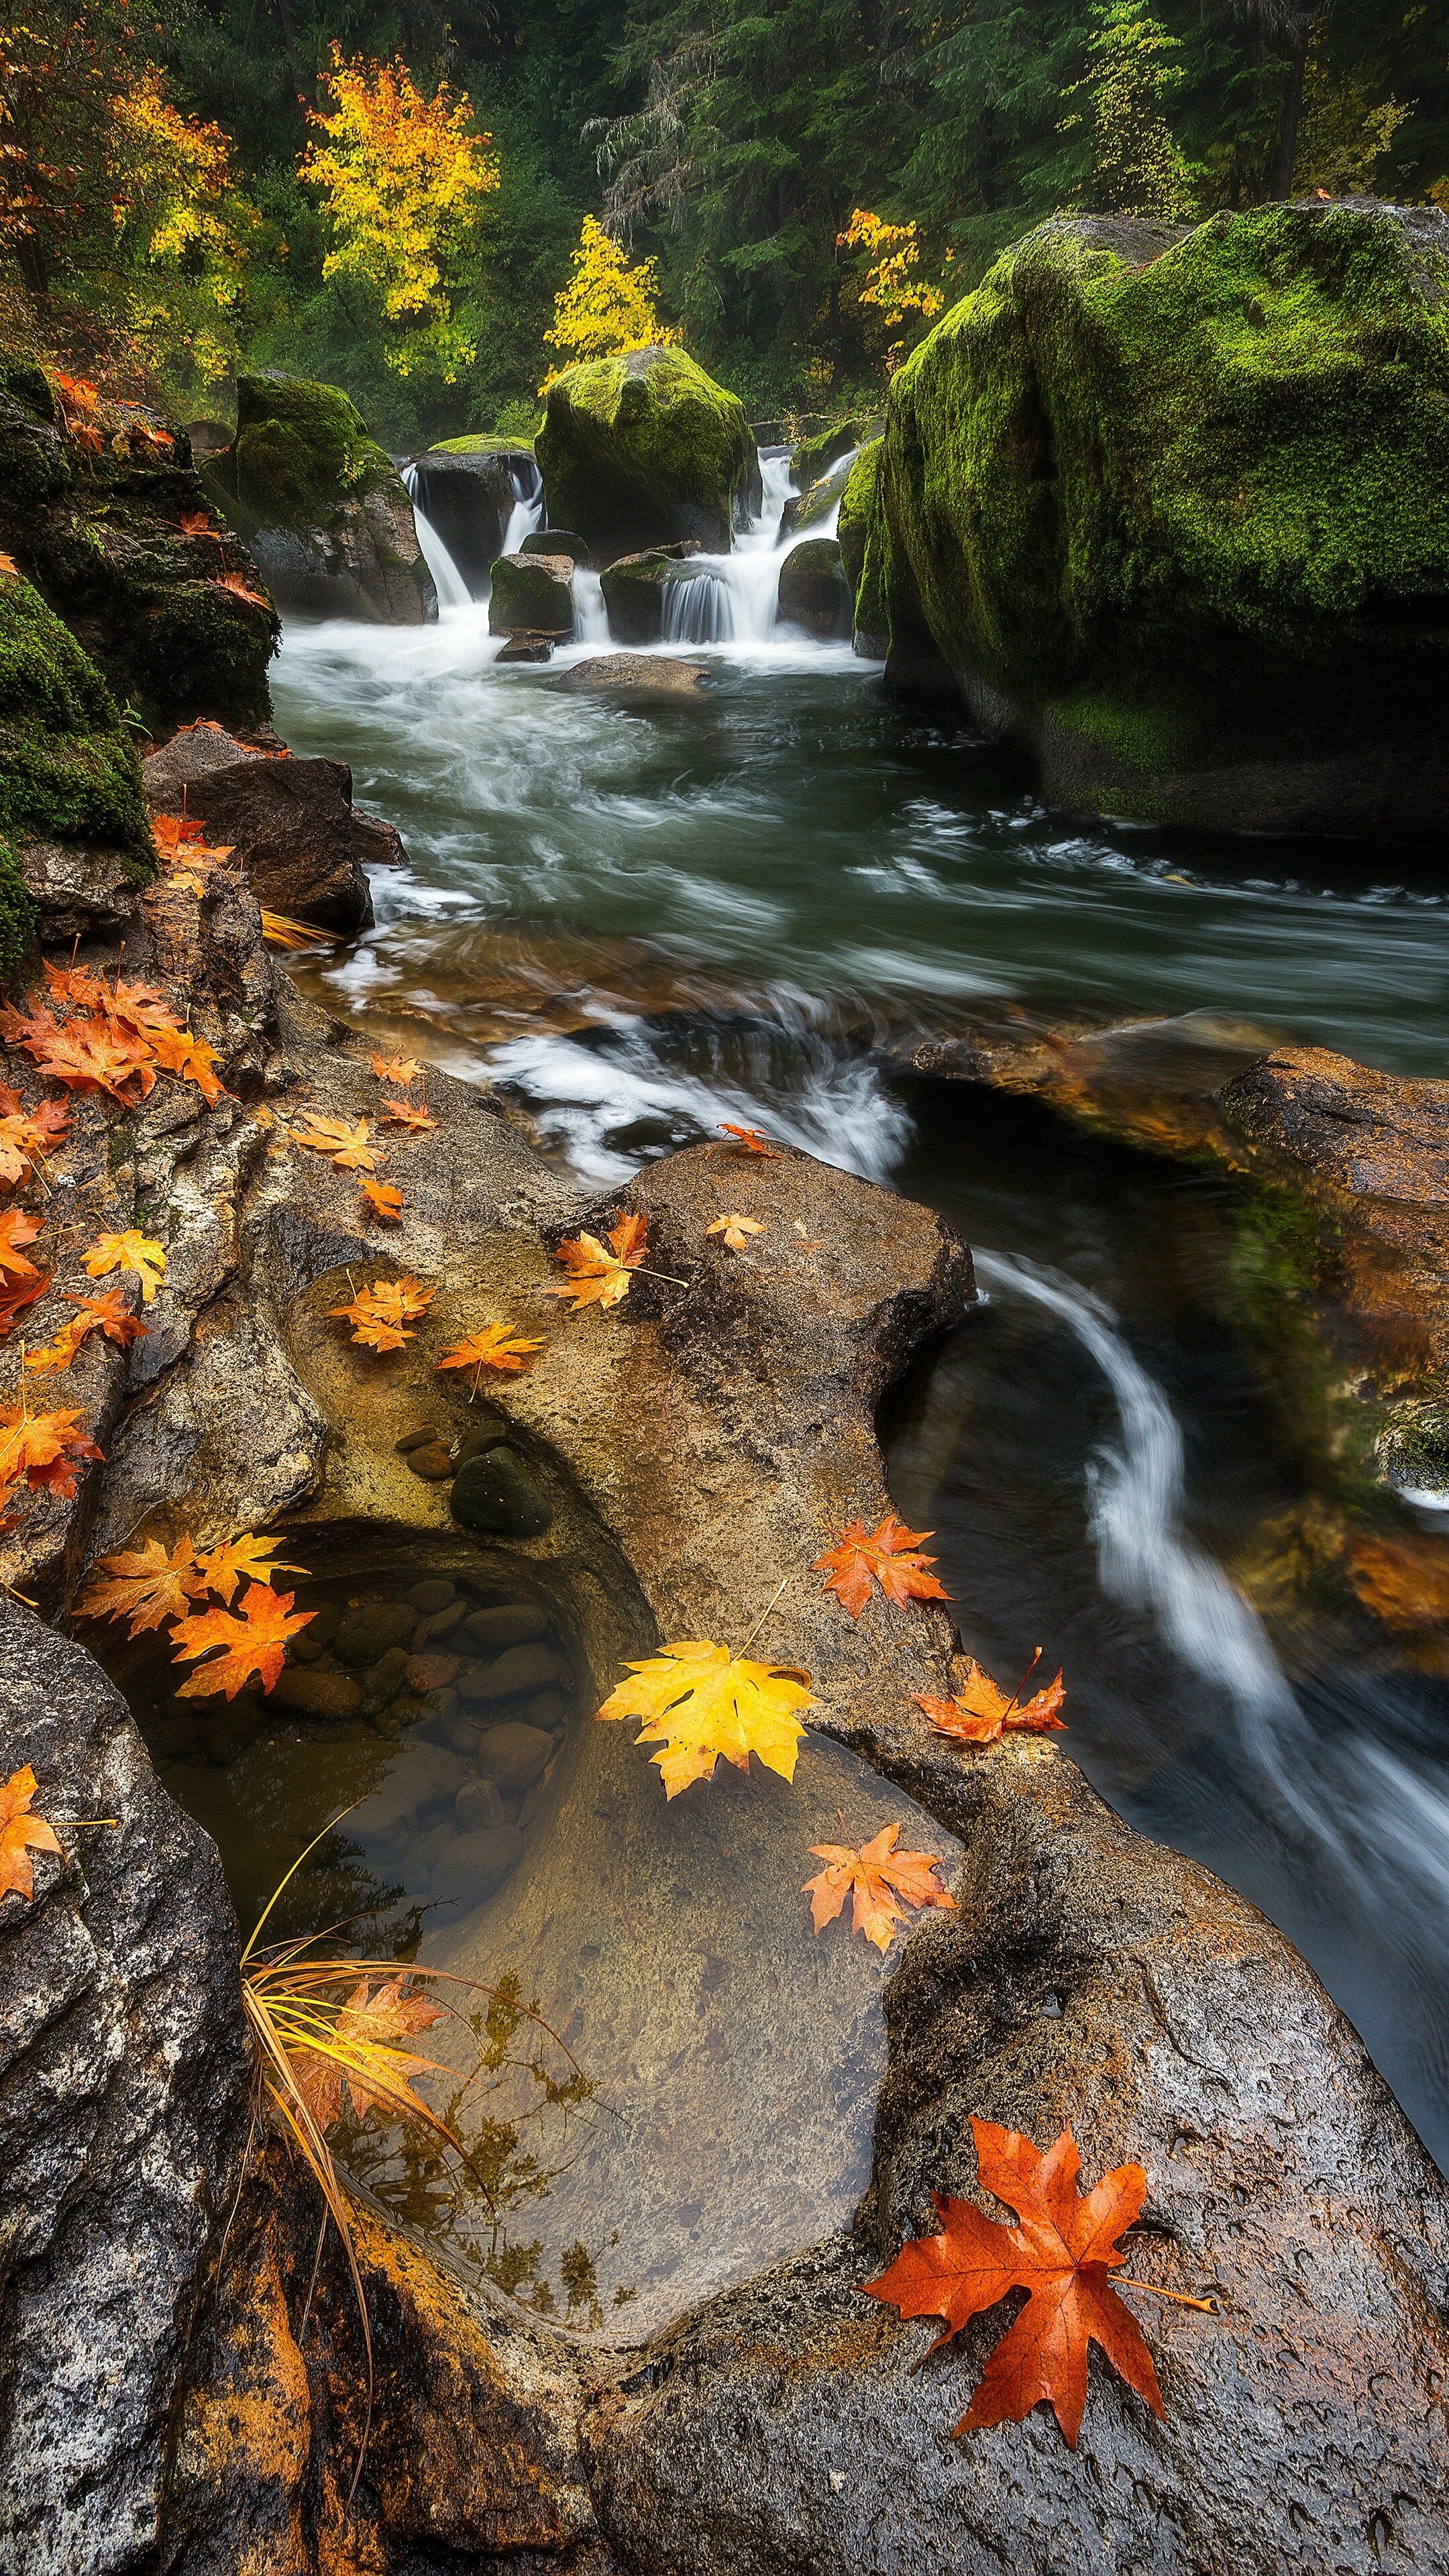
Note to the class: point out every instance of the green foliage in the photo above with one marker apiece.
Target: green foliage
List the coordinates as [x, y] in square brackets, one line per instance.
[68, 768]
[1138, 167]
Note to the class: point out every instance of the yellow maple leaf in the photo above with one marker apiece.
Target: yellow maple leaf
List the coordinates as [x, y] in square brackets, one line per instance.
[21, 1833]
[145, 1586]
[699, 1701]
[348, 1146]
[130, 1251]
[736, 1229]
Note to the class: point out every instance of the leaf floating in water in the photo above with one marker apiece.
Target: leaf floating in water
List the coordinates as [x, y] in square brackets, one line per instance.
[698, 1701]
[254, 1643]
[874, 1876]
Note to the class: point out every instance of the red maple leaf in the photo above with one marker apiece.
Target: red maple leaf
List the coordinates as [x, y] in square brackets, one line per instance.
[887, 1556]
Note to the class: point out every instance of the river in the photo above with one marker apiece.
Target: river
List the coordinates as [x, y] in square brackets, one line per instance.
[647, 922]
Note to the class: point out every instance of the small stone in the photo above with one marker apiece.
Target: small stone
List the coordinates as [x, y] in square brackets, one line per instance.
[433, 1594]
[439, 1704]
[370, 1627]
[431, 1461]
[527, 648]
[429, 1848]
[384, 1680]
[478, 1439]
[479, 1804]
[407, 1708]
[521, 1671]
[476, 1863]
[308, 1648]
[415, 1439]
[496, 1493]
[441, 1624]
[547, 1708]
[514, 1755]
[427, 1673]
[509, 1624]
[312, 1694]
[324, 1623]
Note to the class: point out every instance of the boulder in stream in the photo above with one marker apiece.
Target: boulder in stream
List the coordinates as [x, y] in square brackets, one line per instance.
[1170, 507]
[321, 505]
[633, 588]
[467, 488]
[813, 591]
[288, 820]
[643, 450]
[852, 530]
[635, 679]
[532, 595]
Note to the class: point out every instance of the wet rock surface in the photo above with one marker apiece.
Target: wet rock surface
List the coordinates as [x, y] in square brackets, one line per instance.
[634, 588]
[635, 679]
[813, 591]
[466, 489]
[321, 505]
[288, 821]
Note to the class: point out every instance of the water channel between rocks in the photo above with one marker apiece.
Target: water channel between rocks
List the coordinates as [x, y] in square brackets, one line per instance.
[643, 922]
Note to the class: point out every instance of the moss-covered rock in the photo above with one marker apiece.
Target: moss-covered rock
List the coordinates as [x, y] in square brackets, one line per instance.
[467, 489]
[856, 503]
[321, 505]
[813, 592]
[643, 450]
[17, 912]
[99, 527]
[633, 588]
[814, 456]
[70, 779]
[532, 595]
[1173, 507]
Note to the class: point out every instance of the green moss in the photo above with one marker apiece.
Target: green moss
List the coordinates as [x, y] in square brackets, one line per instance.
[525, 596]
[815, 456]
[1211, 467]
[300, 453]
[856, 504]
[1135, 737]
[644, 448]
[17, 913]
[482, 443]
[68, 768]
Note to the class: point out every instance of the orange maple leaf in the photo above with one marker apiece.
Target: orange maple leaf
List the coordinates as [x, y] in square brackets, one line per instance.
[980, 1711]
[130, 1252]
[489, 1347]
[177, 1051]
[21, 1833]
[382, 1196]
[887, 1555]
[1060, 2253]
[347, 1145]
[197, 523]
[254, 1644]
[599, 1276]
[42, 1449]
[95, 1055]
[240, 589]
[750, 1141]
[401, 1069]
[76, 984]
[875, 1875]
[16, 1228]
[401, 1113]
[381, 1314]
[374, 2069]
[145, 1586]
[109, 1314]
[16, 1295]
[8, 564]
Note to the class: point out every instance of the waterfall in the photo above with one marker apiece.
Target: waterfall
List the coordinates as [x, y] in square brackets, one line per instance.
[591, 617]
[452, 589]
[527, 508]
[730, 599]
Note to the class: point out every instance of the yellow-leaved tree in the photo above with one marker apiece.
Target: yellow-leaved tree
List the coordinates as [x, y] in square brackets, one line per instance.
[607, 307]
[892, 283]
[184, 231]
[401, 175]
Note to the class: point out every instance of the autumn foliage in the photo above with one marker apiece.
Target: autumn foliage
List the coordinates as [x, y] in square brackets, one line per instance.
[607, 307]
[698, 1702]
[888, 1555]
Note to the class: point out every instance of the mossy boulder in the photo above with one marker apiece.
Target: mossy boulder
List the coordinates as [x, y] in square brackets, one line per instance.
[813, 591]
[853, 525]
[532, 595]
[321, 505]
[1172, 507]
[467, 489]
[72, 821]
[634, 587]
[814, 456]
[643, 450]
[100, 530]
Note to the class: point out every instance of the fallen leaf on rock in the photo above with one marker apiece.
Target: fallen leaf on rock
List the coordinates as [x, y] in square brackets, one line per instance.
[381, 1196]
[58, 1354]
[750, 1141]
[173, 832]
[239, 589]
[16, 1295]
[347, 1145]
[401, 1113]
[736, 1229]
[887, 1556]
[131, 1252]
[21, 1834]
[8, 564]
[1060, 2254]
[191, 1058]
[27, 1135]
[599, 1275]
[144, 1585]
[698, 1701]
[42, 1450]
[380, 1314]
[980, 1711]
[401, 1069]
[875, 1875]
[374, 2069]
[254, 1643]
[93, 1055]
[109, 1314]
[243, 1559]
[489, 1347]
[197, 523]
[16, 1228]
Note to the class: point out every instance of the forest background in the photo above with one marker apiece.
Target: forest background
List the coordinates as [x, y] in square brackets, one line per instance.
[394, 196]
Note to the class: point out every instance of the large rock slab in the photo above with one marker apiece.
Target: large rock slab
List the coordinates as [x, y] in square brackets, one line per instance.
[289, 821]
[113, 528]
[1171, 508]
[643, 450]
[634, 587]
[321, 505]
[124, 2105]
[813, 591]
[635, 679]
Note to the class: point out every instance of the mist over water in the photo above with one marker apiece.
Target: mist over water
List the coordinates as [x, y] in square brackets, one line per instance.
[646, 923]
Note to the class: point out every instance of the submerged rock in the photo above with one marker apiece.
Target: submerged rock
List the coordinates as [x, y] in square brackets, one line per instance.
[474, 1863]
[635, 679]
[813, 591]
[495, 1492]
[321, 505]
[1171, 507]
[532, 595]
[644, 450]
[634, 586]
[466, 488]
[290, 823]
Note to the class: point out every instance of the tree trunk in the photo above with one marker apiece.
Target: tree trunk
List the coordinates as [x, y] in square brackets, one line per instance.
[1287, 151]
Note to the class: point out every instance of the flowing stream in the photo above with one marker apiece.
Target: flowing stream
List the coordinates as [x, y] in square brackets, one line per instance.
[645, 922]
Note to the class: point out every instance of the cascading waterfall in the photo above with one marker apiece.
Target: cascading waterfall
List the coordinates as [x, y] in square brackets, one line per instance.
[731, 599]
[527, 508]
[591, 617]
[452, 589]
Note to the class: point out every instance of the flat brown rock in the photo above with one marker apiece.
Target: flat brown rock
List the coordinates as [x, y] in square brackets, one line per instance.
[640, 679]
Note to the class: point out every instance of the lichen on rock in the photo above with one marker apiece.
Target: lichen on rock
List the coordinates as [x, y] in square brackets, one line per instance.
[644, 449]
[321, 504]
[1173, 507]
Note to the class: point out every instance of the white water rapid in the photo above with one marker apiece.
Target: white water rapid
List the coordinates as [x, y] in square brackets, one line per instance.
[452, 589]
[527, 508]
[591, 617]
[731, 599]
